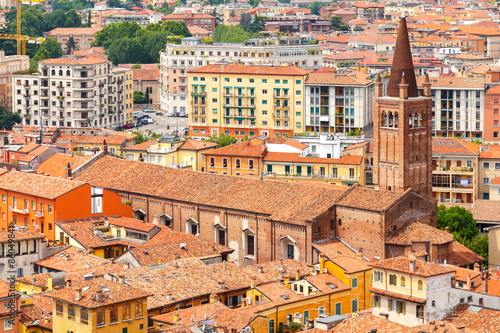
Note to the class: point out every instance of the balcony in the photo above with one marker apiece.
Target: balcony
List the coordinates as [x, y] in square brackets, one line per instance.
[445, 170]
[39, 214]
[199, 93]
[280, 95]
[26, 95]
[60, 86]
[19, 211]
[239, 94]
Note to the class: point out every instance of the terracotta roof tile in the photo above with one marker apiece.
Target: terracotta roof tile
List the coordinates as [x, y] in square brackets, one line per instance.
[416, 232]
[334, 248]
[364, 198]
[19, 235]
[455, 82]
[92, 139]
[350, 264]
[484, 320]
[295, 157]
[486, 210]
[33, 315]
[37, 185]
[243, 148]
[454, 146]
[398, 295]
[28, 148]
[402, 264]
[464, 256]
[251, 70]
[193, 29]
[34, 153]
[72, 259]
[73, 31]
[282, 201]
[491, 151]
[143, 146]
[351, 78]
[112, 293]
[92, 60]
[191, 144]
[146, 74]
[367, 322]
[55, 166]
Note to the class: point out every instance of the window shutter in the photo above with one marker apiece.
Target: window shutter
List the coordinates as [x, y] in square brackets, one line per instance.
[389, 304]
[403, 305]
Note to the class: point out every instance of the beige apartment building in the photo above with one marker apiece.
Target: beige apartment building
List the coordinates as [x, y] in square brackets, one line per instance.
[83, 91]
[9, 65]
[489, 172]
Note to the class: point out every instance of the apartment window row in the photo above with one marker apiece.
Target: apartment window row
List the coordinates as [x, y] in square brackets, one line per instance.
[83, 315]
[237, 163]
[486, 165]
[26, 205]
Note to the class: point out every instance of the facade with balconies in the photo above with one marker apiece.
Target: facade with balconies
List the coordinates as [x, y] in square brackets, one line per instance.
[455, 170]
[74, 92]
[241, 101]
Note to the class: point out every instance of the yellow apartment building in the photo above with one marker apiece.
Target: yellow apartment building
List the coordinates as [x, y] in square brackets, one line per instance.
[172, 151]
[489, 172]
[99, 305]
[129, 96]
[242, 100]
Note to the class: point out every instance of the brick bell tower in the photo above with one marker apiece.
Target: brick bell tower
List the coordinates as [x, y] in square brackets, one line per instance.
[402, 127]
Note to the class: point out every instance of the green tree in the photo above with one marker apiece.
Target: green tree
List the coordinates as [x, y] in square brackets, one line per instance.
[113, 3]
[139, 97]
[230, 34]
[136, 66]
[338, 25]
[146, 136]
[176, 28]
[245, 21]
[89, 20]
[70, 45]
[49, 49]
[146, 96]
[222, 140]
[459, 220]
[8, 119]
[115, 31]
[315, 7]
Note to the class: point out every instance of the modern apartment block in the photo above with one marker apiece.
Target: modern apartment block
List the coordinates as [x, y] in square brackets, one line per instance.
[178, 59]
[338, 102]
[457, 106]
[83, 91]
[241, 100]
[9, 65]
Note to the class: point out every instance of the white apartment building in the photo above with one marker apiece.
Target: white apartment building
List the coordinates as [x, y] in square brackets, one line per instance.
[178, 59]
[8, 65]
[74, 92]
[457, 106]
[338, 102]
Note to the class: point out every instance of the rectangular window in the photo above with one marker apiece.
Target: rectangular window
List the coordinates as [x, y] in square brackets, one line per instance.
[238, 163]
[212, 161]
[251, 245]
[354, 283]
[59, 308]
[126, 311]
[100, 317]
[138, 309]
[277, 81]
[250, 164]
[351, 173]
[298, 92]
[486, 181]
[3, 198]
[264, 80]
[84, 316]
[298, 81]
[50, 209]
[71, 311]
[7, 324]
[224, 162]
[497, 166]
[97, 194]
[113, 315]
[486, 165]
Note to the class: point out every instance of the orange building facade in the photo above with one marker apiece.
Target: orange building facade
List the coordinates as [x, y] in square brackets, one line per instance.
[36, 202]
[492, 115]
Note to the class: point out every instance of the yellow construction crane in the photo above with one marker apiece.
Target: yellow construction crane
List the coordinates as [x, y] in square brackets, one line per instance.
[21, 39]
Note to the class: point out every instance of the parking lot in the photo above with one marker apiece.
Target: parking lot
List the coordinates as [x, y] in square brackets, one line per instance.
[161, 123]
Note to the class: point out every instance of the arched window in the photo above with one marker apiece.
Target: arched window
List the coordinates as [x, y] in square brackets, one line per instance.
[420, 285]
[68, 73]
[396, 120]
[53, 72]
[384, 119]
[271, 326]
[403, 282]
[60, 72]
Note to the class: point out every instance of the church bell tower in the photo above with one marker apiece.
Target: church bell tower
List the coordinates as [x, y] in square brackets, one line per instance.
[402, 126]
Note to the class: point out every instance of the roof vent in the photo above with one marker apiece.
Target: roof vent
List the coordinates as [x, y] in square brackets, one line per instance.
[182, 246]
[145, 252]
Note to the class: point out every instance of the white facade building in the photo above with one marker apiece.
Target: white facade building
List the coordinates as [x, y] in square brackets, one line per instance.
[74, 92]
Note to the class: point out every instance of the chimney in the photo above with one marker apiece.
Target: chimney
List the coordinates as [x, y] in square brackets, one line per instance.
[260, 270]
[484, 277]
[71, 147]
[461, 328]
[160, 261]
[453, 280]
[379, 86]
[359, 256]
[243, 302]
[169, 297]
[447, 229]
[105, 146]
[68, 171]
[252, 282]
[321, 262]
[468, 281]
[476, 267]
[441, 327]
[224, 265]
[72, 231]
[98, 295]
[68, 283]
[46, 319]
[222, 285]
[297, 276]
[176, 316]
[432, 325]
[78, 294]
[413, 265]
[214, 298]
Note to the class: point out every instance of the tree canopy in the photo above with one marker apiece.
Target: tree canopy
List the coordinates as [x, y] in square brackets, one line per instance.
[463, 227]
[49, 49]
[8, 119]
[222, 140]
[338, 25]
[230, 34]
[315, 7]
[148, 135]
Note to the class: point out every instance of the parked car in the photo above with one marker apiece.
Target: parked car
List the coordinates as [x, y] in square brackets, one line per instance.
[149, 120]
[170, 114]
[148, 110]
[127, 126]
[183, 115]
[159, 113]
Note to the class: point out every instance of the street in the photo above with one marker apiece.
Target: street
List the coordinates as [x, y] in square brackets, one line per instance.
[175, 123]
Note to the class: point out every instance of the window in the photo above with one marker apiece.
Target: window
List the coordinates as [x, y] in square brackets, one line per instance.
[486, 181]
[376, 301]
[401, 307]
[379, 277]
[420, 311]
[392, 279]
[420, 285]
[97, 194]
[250, 245]
[50, 209]
[84, 316]
[59, 308]
[298, 92]
[71, 312]
[264, 80]
[486, 165]
[224, 162]
[497, 166]
[238, 163]
[100, 317]
[113, 315]
[3, 198]
[354, 305]
[271, 326]
[212, 161]
[403, 281]
[298, 81]
[276, 81]
[354, 283]
[7, 324]
[351, 173]
[138, 309]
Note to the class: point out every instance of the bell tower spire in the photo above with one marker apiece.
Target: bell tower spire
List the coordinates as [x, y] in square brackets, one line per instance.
[402, 126]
